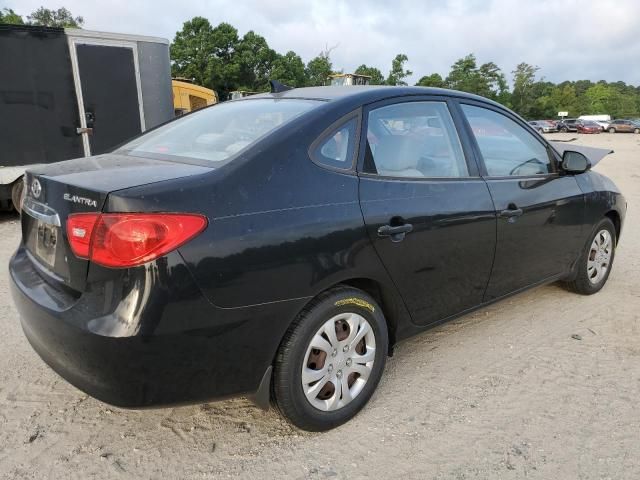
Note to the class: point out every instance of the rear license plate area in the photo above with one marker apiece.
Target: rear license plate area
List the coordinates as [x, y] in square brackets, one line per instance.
[42, 241]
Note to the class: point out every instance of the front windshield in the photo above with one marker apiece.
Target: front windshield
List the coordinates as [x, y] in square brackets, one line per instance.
[217, 133]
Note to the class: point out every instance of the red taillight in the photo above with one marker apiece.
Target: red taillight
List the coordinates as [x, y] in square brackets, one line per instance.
[79, 231]
[127, 239]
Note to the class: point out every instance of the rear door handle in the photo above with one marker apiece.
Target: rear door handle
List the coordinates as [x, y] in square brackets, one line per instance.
[396, 233]
[511, 212]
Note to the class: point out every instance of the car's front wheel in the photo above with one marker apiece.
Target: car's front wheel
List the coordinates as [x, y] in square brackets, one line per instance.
[594, 265]
[637, 130]
[612, 130]
[331, 360]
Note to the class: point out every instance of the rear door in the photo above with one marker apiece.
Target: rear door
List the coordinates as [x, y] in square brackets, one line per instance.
[540, 211]
[108, 89]
[427, 211]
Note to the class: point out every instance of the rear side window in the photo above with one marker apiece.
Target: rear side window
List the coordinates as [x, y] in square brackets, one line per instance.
[217, 133]
[414, 140]
[506, 147]
[336, 149]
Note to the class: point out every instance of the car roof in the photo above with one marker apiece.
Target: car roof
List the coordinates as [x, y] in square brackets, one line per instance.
[368, 93]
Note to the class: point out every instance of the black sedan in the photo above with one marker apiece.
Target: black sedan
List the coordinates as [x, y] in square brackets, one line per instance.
[278, 246]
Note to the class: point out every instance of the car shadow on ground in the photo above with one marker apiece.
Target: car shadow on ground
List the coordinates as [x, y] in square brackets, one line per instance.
[6, 217]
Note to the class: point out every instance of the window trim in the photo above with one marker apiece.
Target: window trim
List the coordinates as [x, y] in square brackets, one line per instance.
[329, 132]
[467, 151]
[551, 153]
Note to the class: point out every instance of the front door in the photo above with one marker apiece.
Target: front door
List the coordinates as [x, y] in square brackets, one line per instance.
[109, 95]
[540, 211]
[427, 212]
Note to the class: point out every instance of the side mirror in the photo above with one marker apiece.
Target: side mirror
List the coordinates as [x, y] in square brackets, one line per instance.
[575, 162]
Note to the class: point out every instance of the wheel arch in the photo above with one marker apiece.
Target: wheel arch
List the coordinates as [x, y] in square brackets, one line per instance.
[614, 216]
[382, 297]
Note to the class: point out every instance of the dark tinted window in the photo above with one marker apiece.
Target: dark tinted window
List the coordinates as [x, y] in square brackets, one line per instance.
[507, 148]
[414, 139]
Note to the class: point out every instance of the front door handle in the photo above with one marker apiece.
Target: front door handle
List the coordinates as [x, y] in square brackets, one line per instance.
[396, 233]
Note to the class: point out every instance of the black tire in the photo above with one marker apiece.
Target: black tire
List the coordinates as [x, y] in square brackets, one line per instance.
[16, 194]
[581, 283]
[287, 389]
[564, 129]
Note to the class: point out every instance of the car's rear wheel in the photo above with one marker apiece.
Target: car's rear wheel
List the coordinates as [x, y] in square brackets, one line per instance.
[637, 130]
[594, 265]
[612, 130]
[331, 360]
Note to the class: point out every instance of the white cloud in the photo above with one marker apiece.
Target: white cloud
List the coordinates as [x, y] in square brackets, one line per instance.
[567, 39]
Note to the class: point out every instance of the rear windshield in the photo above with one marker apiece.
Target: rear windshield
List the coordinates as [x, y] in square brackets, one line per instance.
[217, 133]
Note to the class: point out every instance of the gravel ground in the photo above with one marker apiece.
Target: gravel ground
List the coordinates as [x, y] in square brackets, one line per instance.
[505, 392]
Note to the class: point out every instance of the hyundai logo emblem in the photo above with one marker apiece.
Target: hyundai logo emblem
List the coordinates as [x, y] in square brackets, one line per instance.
[36, 188]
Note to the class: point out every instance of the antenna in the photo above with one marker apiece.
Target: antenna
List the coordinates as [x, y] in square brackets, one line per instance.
[277, 87]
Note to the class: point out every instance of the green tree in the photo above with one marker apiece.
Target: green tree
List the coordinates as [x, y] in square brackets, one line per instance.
[523, 97]
[493, 84]
[9, 16]
[397, 74]
[55, 18]
[255, 61]
[192, 51]
[560, 99]
[318, 70]
[602, 98]
[486, 80]
[463, 75]
[373, 72]
[224, 68]
[433, 80]
[289, 69]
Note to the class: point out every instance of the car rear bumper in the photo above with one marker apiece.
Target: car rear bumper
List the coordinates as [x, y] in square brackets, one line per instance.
[184, 350]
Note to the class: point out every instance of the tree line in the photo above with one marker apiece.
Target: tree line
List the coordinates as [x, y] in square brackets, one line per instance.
[219, 58]
[43, 17]
[534, 97]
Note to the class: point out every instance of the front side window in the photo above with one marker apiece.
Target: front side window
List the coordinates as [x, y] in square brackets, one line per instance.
[217, 133]
[506, 147]
[414, 140]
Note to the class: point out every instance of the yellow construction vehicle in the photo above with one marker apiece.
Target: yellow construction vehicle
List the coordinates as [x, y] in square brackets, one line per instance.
[188, 97]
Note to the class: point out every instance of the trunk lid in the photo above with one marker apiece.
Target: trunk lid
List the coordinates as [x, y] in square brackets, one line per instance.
[53, 192]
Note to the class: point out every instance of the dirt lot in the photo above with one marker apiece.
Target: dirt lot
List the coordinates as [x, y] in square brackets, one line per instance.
[505, 392]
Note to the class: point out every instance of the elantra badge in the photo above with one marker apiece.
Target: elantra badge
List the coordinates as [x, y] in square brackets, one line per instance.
[81, 200]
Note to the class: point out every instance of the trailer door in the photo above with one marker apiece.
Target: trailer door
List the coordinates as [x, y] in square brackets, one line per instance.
[38, 107]
[109, 95]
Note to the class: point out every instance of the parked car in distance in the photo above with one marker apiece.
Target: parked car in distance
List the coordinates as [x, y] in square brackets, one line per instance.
[280, 245]
[623, 126]
[543, 126]
[567, 125]
[588, 126]
[604, 124]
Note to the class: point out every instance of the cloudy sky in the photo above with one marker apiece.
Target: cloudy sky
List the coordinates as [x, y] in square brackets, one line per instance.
[567, 39]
